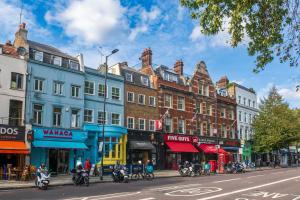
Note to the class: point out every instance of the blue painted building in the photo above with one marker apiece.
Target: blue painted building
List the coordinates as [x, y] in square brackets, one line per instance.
[114, 146]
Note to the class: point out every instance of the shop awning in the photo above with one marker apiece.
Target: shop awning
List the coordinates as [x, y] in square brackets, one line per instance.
[13, 147]
[59, 145]
[181, 147]
[211, 148]
[141, 145]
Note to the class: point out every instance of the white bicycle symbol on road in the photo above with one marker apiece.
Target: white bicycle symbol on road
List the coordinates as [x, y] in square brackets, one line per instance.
[193, 191]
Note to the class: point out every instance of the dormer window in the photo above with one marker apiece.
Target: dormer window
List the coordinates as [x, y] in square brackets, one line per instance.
[74, 65]
[144, 80]
[128, 77]
[38, 55]
[170, 77]
[57, 60]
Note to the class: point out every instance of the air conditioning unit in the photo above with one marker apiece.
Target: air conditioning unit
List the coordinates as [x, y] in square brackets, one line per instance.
[37, 95]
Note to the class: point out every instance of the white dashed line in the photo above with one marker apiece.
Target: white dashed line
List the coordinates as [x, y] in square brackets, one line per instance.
[106, 196]
[234, 179]
[150, 198]
[254, 176]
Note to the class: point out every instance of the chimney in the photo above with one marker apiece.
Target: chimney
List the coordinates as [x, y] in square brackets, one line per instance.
[21, 37]
[146, 58]
[178, 67]
[81, 62]
[223, 82]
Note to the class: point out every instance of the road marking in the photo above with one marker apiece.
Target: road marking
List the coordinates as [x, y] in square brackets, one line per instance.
[254, 176]
[174, 187]
[190, 192]
[250, 188]
[227, 180]
[150, 198]
[106, 196]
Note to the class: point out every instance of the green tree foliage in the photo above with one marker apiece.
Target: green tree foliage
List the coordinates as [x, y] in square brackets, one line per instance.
[270, 26]
[276, 126]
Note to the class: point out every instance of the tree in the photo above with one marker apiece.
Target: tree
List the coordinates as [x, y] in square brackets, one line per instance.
[270, 26]
[276, 126]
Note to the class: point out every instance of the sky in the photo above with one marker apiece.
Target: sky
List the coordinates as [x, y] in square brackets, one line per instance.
[96, 27]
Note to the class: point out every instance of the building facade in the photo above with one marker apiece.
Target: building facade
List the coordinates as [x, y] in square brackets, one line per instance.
[141, 114]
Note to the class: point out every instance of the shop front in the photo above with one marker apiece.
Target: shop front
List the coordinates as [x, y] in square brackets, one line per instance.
[232, 146]
[247, 152]
[179, 148]
[13, 149]
[59, 149]
[113, 147]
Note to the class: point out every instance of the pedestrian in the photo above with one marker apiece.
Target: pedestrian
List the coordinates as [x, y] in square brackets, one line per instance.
[87, 165]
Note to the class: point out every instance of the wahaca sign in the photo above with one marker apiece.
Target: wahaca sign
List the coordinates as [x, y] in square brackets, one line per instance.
[8, 132]
[56, 133]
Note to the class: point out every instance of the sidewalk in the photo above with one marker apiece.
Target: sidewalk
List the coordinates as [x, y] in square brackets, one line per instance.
[67, 180]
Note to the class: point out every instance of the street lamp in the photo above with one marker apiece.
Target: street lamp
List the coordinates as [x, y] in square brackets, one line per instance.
[104, 107]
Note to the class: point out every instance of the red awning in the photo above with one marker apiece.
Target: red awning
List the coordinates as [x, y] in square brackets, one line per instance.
[211, 148]
[181, 147]
[13, 147]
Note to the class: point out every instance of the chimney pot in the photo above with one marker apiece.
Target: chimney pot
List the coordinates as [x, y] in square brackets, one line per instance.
[146, 57]
[178, 67]
[8, 43]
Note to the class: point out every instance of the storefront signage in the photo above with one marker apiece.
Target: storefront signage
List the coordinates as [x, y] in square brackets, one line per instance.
[206, 140]
[55, 133]
[232, 143]
[179, 138]
[8, 132]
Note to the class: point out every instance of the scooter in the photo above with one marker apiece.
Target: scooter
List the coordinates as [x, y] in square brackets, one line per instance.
[196, 170]
[120, 175]
[185, 171]
[43, 180]
[80, 177]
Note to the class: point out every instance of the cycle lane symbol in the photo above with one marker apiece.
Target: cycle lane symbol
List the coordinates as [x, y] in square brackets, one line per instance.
[189, 192]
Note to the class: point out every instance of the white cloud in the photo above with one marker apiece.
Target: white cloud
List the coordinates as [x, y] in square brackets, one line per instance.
[196, 34]
[89, 20]
[152, 15]
[134, 32]
[180, 12]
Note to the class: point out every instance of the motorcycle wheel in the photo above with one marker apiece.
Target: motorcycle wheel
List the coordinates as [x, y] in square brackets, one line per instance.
[86, 181]
[135, 176]
[45, 187]
[126, 180]
[192, 174]
[181, 173]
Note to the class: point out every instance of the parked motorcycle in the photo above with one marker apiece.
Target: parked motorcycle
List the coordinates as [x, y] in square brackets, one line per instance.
[185, 170]
[43, 180]
[239, 168]
[80, 177]
[196, 170]
[120, 175]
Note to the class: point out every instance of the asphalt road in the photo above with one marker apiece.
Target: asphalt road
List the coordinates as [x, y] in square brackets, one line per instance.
[282, 184]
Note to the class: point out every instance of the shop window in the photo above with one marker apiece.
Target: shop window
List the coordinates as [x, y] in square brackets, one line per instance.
[38, 85]
[57, 116]
[89, 87]
[168, 125]
[113, 150]
[75, 91]
[181, 126]
[142, 125]
[151, 125]
[58, 88]
[101, 117]
[152, 101]
[141, 99]
[181, 103]
[37, 114]
[88, 115]
[106, 150]
[130, 122]
[75, 118]
[115, 93]
[168, 101]
[130, 97]
[115, 119]
[15, 112]
[119, 150]
[16, 81]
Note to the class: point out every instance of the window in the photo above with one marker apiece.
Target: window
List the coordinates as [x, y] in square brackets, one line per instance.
[249, 102]
[75, 118]
[57, 116]
[208, 109]
[58, 88]
[223, 131]
[168, 101]
[181, 103]
[208, 129]
[168, 125]
[15, 113]
[101, 117]
[244, 101]
[151, 125]
[74, 65]
[245, 117]
[204, 126]
[16, 81]
[130, 122]
[206, 91]
[88, 115]
[231, 114]
[198, 107]
[250, 118]
[128, 77]
[37, 114]
[130, 96]
[115, 93]
[38, 55]
[200, 89]
[253, 104]
[38, 85]
[89, 87]
[223, 112]
[75, 91]
[142, 124]
[152, 101]
[241, 133]
[145, 80]
[57, 60]
[240, 116]
[181, 126]
[115, 119]
[141, 99]
[239, 99]
[101, 90]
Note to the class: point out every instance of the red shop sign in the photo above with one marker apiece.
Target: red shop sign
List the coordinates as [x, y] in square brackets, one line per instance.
[177, 138]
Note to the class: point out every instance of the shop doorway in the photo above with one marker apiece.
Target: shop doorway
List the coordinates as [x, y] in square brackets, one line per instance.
[59, 160]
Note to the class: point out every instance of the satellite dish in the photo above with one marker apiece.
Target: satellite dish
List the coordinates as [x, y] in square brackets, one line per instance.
[21, 51]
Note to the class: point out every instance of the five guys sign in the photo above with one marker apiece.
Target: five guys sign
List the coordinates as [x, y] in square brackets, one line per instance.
[8, 132]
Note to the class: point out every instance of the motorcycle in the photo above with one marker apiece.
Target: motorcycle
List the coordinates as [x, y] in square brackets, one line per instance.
[239, 168]
[43, 180]
[196, 170]
[120, 175]
[185, 171]
[80, 177]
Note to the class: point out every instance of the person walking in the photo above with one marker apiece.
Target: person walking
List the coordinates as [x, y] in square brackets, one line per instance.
[87, 165]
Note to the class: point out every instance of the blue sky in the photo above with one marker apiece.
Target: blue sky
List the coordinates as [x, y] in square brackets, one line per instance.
[95, 27]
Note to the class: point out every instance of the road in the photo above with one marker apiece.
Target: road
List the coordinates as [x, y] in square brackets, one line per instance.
[281, 184]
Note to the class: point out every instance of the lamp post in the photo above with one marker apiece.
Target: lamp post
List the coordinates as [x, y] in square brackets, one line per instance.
[104, 107]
